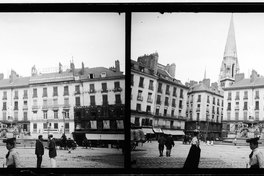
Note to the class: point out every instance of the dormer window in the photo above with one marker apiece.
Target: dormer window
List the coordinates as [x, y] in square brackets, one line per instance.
[103, 74]
[91, 76]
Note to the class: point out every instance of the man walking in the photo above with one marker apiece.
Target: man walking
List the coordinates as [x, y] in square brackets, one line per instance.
[169, 144]
[39, 150]
[161, 142]
[52, 151]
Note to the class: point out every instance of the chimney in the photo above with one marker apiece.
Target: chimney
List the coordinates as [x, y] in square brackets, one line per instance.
[60, 67]
[239, 77]
[72, 67]
[155, 62]
[214, 85]
[13, 76]
[117, 66]
[1, 76]
[254, 75]
[82, 68]
[207, 82]
[192, 83]
[171, 70]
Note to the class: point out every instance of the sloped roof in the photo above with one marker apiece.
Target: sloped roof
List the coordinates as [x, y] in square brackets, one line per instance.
[97, 72]
[246, 83]
[203, 87]
[51, 77]
[17, 82]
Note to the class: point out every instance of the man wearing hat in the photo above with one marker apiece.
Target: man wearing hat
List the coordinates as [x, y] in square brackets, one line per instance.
[12, 157]
[52, 150]
[256, 158]
[39, 150]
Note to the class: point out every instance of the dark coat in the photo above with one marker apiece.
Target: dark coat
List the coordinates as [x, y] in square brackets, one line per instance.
[39, 149]
[162, 141]
[169, 143]
[193, 157]
[52, 149]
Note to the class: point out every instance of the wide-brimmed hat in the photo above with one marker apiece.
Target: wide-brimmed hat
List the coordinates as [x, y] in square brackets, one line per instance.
[253, 140]
[11, 141]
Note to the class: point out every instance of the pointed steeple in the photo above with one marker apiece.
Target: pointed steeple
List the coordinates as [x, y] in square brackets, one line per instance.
[229, 67]
[230, 47]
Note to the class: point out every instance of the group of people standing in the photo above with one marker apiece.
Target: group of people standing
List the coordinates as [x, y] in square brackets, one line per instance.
[12, 157]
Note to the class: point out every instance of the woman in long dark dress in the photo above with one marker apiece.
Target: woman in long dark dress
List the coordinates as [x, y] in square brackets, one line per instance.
[193, 157]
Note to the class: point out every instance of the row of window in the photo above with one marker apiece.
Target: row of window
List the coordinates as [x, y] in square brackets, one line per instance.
[245, 116]
[245, 107]
[66, 102]
[151, 86]
[237, 97]
[213, 119]
[100, 124]
[47, 126]
[208, 100]
[65, 92]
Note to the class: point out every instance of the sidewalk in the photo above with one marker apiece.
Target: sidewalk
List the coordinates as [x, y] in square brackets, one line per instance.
[216, 156]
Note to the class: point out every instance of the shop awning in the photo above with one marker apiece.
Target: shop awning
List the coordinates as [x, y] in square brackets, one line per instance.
[105, 136]
[147, 130]
[174, 132]
[157, 130]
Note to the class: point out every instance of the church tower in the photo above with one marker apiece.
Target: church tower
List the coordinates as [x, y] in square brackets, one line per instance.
[229, 67]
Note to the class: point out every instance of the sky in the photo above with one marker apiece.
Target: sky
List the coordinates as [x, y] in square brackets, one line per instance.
[45, 39]
[195, 42]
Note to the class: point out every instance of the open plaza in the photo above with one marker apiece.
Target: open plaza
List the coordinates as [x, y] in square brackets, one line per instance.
[212, 156]
[78, 158]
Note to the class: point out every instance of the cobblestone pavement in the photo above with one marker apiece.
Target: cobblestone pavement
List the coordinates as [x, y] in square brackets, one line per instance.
[216, 156]
[78, 158]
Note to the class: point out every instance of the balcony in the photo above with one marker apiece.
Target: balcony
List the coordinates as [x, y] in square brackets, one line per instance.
[4, 98]
[149, 100]
[104, 91]
[237, 98]
[55, 107]
[66, 105]
[237, 108]
[198, 110]
[45, 107]
[66, 94]
[159, 90]
[117, 89]
[151, 88]
[25, 97]
[173, 105]
[245, 98]
[229, 98]
[35, 107]
[245, 108]
[256, 97]
[199, 100]
[167, 92]
[207, 110]
[77, 92]
[166, 103]
[139, 98]
[158, 102]
[44, 96]
[91, 91]
[16, 97]
[25, 107]
[15, 108]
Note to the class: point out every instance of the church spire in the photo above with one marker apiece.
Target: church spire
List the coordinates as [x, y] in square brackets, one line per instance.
[230, 48]
[229, 67]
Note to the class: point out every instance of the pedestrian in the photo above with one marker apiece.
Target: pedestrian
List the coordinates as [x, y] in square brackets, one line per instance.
[39, 150]
[256, 158]
[169, 144]
[161, 142]
[69, 145]
[193, 157]
[52, 151]
[12, 157]
[212, 140]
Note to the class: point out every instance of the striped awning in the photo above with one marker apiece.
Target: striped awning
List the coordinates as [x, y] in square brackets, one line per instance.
[105, 136]
[157, 130]
[174, 132]
[147, 130]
